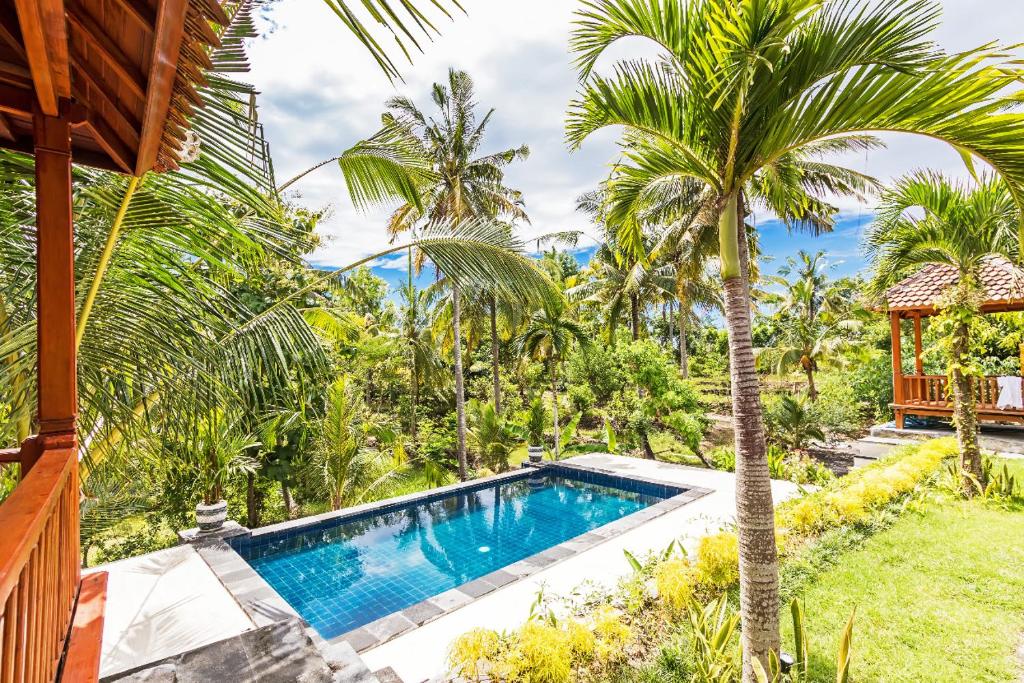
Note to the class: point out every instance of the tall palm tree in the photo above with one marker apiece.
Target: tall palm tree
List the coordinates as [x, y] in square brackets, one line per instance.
[813, 314]
[927, 219]
[548, 336]
[433, 167]
[747, 94]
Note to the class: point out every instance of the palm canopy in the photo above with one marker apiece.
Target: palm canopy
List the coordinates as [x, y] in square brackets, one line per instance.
[551, 332]
[929, 219]
[752, 87]
[433, 165]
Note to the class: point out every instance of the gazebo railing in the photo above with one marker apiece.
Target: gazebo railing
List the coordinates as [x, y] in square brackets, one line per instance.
[39, 563]
[934, 391]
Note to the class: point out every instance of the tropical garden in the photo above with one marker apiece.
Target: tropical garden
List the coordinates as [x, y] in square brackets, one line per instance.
[216, 363]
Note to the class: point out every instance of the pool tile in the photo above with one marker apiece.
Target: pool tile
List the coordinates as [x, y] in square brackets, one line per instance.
[388, 627]
[360, 639]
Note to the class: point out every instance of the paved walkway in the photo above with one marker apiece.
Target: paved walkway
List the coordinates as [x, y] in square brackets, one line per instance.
[162, 604]
[421, 654]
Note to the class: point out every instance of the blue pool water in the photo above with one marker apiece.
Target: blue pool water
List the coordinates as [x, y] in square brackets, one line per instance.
[344, 575]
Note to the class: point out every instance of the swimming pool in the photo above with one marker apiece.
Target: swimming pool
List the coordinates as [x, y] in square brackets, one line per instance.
[340, 574]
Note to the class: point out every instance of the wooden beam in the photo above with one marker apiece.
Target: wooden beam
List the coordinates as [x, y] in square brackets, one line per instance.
[57, 358]
[44, 34]
[105, 136]
[100, 88]
[10, 32]
[14, 100]
[5, 128]
[170, 28]
[114, 56]
[139, 11]
[918, 352]
[897, 357]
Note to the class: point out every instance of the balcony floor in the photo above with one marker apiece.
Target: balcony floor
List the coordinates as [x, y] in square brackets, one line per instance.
[161, 604]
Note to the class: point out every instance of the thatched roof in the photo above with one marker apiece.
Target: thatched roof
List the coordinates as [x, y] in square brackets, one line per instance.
[1002, 281]
[124, 71]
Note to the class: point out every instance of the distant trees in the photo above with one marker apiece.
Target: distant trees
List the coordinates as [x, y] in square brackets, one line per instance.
[433, 166]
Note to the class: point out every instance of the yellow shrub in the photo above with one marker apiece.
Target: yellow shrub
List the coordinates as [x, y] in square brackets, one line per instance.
[541, 653]
[473, 653]
[718, 560]
[613, 634]
[674, 579]
[582, 641]
[846, 507]
[851, 498]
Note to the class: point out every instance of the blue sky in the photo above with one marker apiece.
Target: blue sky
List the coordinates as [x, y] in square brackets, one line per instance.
[321, 93]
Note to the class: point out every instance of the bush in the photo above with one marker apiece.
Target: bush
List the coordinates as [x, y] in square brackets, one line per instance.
[839, 411]
[540, 653]
[471, 654]
[581, 398]
[850, 499]
[674, 579]
[723, 458]
[718, 560]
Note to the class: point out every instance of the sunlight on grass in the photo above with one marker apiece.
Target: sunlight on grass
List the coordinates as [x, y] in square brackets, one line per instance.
[939, 597]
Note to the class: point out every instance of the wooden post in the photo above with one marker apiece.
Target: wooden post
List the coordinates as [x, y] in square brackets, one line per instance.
[58, 390]
[918, 353]
[897, 367]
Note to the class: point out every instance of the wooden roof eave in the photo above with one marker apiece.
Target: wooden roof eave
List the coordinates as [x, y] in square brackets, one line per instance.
[132, 68]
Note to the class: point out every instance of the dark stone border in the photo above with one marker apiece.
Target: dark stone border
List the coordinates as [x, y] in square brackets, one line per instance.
[264, 605]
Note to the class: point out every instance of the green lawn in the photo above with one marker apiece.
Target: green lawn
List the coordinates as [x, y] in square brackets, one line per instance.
[939, 597]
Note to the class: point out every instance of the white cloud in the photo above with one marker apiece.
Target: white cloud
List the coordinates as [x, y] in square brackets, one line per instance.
[321, 92]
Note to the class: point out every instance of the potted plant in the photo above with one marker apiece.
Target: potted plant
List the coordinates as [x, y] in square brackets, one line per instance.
[220, 453]
[536, 421]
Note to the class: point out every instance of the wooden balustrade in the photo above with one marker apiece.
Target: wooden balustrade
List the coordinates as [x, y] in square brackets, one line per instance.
[39, 567]
[933, 391]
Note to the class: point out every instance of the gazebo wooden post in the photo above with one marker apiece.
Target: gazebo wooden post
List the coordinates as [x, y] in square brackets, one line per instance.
[897, 367]
[918, 351]
[57, 356]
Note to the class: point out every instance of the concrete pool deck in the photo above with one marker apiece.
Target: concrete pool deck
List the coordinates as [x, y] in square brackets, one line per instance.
[174, 600]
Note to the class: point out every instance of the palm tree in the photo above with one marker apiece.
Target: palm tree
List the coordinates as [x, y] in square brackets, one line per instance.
[345, 465]
[432, 167]
[548, 336]
[745, 98]
[926, 219]
[813, 316]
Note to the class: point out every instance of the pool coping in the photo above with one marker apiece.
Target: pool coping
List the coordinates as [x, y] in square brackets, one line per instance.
[264, 605]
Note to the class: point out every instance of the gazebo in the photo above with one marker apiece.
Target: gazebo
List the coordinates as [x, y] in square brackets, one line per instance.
[916, 298]
[111, 84]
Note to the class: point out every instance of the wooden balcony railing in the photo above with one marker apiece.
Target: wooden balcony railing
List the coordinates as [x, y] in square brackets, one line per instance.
[39, 564]
[933, 391]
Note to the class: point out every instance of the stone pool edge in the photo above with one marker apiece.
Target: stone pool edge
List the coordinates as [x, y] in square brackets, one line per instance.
[264, 605]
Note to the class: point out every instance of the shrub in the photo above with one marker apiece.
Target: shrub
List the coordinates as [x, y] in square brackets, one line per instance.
[472, 654]
[850, 499]
[612, 635]
[540, 653]
[581, 398]
[723, 458]
[718, 558]
[840, 411]
[675, 581]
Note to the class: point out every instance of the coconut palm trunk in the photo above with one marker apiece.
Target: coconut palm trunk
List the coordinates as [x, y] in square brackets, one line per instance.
[755, 512]
[812, 390]
[684, 358]
[495, 367]
[460, 396]
[634, 315]
[965, 414]
[554, 407]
